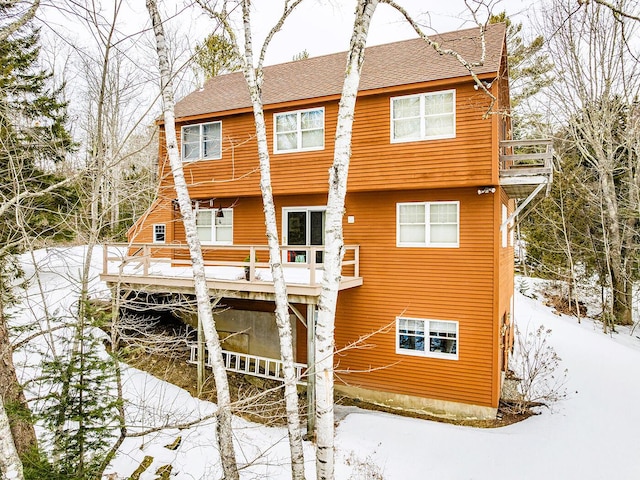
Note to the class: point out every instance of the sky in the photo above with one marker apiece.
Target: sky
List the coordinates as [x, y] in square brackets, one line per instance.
[324, 26]
[318, 26]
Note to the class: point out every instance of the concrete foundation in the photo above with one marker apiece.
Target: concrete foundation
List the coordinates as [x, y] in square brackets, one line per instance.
[429, 406]
[255, 333]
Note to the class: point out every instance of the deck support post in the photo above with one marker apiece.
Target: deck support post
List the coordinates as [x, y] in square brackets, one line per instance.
[201, 357]
[311, 371]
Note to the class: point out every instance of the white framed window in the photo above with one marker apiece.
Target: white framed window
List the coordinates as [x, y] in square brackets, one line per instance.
[428, 338]
[303, 227]
[159, 233]
[505, 230]
[428, 224]
[202, 141]
[426, 116]
[215, 226]
[298, 131]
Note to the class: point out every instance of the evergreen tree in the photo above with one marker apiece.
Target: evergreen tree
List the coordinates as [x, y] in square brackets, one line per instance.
[33, 137]
[80, 412]
[216, 55]
[529, 73]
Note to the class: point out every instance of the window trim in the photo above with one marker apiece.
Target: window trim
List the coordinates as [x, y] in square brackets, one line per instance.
[427, 243]
[426, 353]
[200, 142]
[298, 131]
[164, 233]
[505, 230]
[422, 136]
[285, 229]
[213, 226]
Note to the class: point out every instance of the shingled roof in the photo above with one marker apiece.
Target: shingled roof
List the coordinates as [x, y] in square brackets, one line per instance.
[389, 65]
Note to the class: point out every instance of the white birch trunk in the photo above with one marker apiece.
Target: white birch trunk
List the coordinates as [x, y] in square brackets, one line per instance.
[10, 464]
[334, 244]
[254, 83]
[205, 316]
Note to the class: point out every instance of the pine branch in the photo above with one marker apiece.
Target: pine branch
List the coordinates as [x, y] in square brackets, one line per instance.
[12, 28]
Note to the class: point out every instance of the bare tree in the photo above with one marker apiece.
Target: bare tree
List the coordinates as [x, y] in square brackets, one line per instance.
[252, 68]
[334, 240]
[595, 96]
[205, 316]
[620, 10]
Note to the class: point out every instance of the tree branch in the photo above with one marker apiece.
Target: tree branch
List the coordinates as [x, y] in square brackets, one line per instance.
[27, 194]
[617, 12]
[447, 51]
[10, 29]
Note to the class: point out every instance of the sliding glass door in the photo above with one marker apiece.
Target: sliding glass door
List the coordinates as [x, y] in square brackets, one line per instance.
[304, 227]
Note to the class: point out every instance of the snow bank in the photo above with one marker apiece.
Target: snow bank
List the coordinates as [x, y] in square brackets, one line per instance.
[589, 435]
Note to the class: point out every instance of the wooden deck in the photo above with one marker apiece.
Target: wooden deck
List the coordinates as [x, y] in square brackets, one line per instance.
[524, 165]
[160, 268]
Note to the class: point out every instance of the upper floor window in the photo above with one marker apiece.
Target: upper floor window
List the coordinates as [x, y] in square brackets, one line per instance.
[428, 224]
[215, 226]
[202, 141]
[297, 131]
[427, 116]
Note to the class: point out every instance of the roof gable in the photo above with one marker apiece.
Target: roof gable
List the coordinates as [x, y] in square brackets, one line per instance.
[390, 65]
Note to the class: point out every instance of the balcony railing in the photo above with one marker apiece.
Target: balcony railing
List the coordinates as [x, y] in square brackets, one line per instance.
[230, 267]
[525, 165]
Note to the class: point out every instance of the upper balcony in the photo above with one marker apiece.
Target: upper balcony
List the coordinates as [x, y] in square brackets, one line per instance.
[233, 271]
[525, 166]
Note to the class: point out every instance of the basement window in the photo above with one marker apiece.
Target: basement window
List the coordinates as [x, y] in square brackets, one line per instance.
[428, 338]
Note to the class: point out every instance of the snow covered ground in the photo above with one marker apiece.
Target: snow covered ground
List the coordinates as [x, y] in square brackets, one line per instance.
[592, 434]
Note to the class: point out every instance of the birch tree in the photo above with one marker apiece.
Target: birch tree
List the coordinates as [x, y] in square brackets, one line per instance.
[252, 69]
[338, 173]
[334, 243]
[205, 315]
[10, 464]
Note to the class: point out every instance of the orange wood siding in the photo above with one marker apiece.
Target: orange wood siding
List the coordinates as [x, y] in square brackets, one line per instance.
[161, 212]
[431, 283]
[376, 164]
[471, 284]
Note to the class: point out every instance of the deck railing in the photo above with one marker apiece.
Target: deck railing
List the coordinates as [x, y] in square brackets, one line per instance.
[526, 154]
[253, 365]
[145, 259]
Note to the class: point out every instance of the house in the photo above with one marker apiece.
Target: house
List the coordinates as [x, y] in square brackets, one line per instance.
[430, 208]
